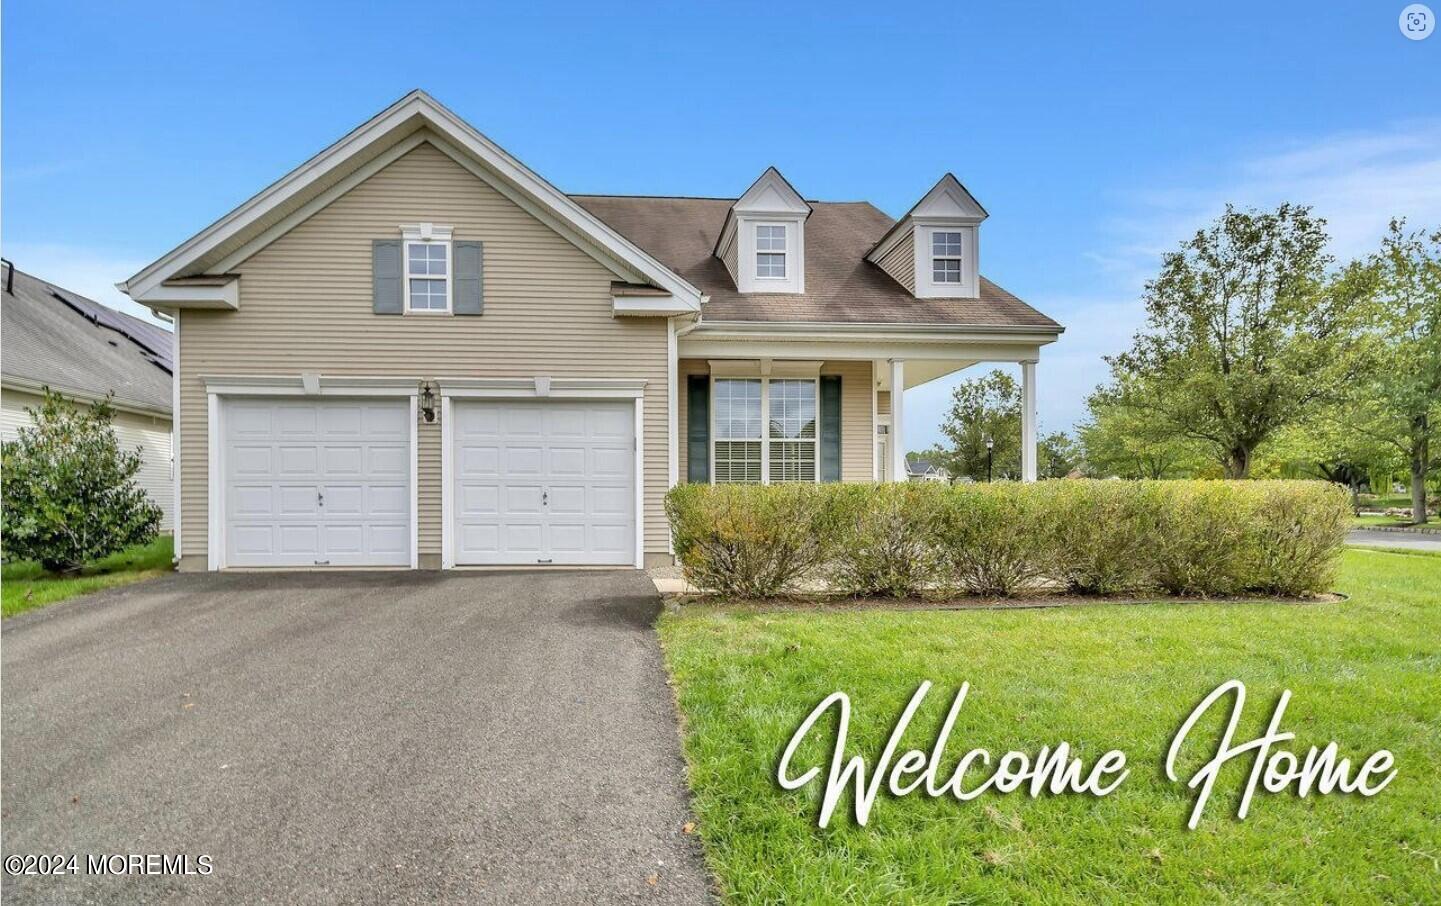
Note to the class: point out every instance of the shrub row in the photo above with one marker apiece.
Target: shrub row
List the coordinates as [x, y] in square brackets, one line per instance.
[1082, 537]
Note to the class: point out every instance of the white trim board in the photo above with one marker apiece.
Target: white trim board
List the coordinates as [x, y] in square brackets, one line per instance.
[541, 386]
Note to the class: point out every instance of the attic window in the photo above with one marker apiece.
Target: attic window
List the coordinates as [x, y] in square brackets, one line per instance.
[946, 257]
[771, 251]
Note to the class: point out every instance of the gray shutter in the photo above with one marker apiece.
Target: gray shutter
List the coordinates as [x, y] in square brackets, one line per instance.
[385, 275]
[698, 428]
[830, 428]
[469, 260]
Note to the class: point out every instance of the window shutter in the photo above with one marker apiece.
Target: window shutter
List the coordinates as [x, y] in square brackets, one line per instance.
[385, 275]
[469, 286]
[830, 428]
[698, 428]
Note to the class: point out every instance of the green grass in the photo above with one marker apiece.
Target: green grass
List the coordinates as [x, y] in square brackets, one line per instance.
[1363, 673]
[25, 586]
[1369, 521]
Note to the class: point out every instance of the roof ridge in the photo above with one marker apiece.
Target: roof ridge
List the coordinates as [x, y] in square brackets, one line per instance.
[706, 198]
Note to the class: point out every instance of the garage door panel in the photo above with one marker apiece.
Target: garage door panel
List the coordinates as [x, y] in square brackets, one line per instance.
[523, 460]
[479, 460]
[298, 500]
[388, 460]
[543, 481]
[611, 500]
[296, 460]
[299, 539]
[479, 500]
[388, 500]
[290, 421]
[521, 499]
[251, 460]
[610, 462]
[566, 461]
[317, 482]
[567, 500]
[253, 501]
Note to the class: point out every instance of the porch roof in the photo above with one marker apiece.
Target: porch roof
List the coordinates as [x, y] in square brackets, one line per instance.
[841, 285]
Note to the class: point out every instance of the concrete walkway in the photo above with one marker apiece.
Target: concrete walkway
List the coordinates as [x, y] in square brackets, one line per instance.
[1419, 541]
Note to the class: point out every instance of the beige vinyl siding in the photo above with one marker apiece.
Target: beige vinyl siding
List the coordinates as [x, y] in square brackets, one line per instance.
[148, 433]
[729, 251]
[883, 402]
[306, 306]
[857, 447]
[900, 262]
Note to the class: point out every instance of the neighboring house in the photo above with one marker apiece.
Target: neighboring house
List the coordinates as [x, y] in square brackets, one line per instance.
[413, 351]
[925, 470]
[83, 350]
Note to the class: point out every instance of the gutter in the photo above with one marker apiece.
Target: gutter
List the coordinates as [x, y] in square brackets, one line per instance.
[37, 388]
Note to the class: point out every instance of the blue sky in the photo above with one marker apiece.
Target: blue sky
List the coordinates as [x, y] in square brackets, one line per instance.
[1097, 135]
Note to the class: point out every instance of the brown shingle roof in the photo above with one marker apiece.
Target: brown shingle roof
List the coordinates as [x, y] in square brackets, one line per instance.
[841, 285]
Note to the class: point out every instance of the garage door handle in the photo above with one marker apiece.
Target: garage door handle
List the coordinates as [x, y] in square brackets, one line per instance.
[320, 495]
[545, 497]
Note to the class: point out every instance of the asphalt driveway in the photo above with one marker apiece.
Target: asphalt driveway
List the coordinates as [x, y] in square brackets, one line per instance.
[1412, 540]
[380, 737]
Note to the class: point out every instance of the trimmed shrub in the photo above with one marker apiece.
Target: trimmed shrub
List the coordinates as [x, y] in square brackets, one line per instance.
[750, 541]
[994, 539]
[1208, 538]
[1301, 528]
[1202, 531]
[1101, 534]
[885, 539]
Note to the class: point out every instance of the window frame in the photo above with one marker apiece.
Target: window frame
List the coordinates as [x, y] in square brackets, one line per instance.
[785, 252]
[406, 245]
[766, 440]
[959, 257]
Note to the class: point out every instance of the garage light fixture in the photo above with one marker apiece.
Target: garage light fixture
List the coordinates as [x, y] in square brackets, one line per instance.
[427, 402]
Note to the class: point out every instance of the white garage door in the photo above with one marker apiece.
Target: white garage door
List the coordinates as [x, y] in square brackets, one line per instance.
[312, 483]
[543, 482]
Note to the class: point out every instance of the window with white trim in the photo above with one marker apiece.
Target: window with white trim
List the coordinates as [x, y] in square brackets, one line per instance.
[736, 407]
[427, 276]
[781, 447]
[771, 251]
[792, 436]
[946, 257]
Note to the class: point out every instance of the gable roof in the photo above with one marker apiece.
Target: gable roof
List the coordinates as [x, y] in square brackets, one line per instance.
[54, 337]
[841, 285]
[414, 118]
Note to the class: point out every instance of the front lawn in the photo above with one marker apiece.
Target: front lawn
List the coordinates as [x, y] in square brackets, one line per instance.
[1363, 673]
[25, 586]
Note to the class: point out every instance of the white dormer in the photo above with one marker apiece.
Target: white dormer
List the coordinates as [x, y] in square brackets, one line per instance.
[942, 233]
[763, 241]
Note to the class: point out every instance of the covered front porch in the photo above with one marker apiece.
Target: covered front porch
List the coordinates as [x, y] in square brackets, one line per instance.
[769, 402]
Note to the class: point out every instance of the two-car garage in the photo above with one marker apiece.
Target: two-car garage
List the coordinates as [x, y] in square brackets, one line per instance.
[322, 481]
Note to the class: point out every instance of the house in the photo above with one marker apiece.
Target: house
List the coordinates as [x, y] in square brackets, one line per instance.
[56, 338]
[413, 351]
[925, 470]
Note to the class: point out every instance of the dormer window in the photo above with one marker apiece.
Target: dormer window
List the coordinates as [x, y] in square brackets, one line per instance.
[763, 239]
[946, 257]
[771, 251]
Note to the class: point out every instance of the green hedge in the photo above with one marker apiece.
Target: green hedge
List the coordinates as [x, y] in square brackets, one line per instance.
[1080, 537]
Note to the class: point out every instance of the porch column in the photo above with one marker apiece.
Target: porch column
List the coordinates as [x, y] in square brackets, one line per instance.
[896, 444]
[1028, 421]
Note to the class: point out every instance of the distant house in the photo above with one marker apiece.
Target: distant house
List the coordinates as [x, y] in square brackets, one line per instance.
[83, 350]
[925, 470]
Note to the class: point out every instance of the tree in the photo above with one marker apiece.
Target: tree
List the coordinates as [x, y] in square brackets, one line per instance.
[1128, 442]
[1244, 333]
[987, 406]
[1057, 455]
[1399, 400]
[69, 493]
